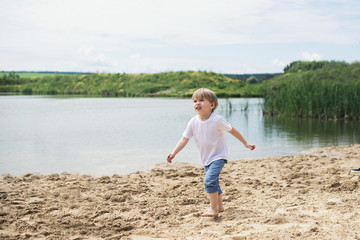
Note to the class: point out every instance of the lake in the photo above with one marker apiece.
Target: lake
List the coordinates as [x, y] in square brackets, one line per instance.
[106, 136]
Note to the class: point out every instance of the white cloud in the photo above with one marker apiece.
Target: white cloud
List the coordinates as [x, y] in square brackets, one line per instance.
[277, 62]
[187, 21]
[91, 59]
[54, 31]
[135, 56]
[311, 56]
[90, 55]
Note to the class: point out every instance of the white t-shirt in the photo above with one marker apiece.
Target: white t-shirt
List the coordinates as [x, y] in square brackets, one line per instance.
[209, 137]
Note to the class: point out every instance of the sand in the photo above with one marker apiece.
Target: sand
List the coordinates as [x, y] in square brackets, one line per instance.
[309, 196]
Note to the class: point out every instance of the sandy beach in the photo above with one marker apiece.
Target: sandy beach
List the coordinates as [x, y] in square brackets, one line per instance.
[309, 196]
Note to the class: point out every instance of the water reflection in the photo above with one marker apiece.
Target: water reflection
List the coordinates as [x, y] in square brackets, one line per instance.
[309, 131]
[229, 106]
[277, 136]
[313, 131]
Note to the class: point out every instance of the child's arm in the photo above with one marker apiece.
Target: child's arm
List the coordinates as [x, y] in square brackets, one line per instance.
[238, 135]
[179, 146]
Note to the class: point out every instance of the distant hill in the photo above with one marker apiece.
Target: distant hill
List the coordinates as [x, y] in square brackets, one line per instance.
[167, 84]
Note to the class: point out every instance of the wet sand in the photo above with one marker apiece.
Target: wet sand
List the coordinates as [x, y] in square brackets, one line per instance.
[309, 196]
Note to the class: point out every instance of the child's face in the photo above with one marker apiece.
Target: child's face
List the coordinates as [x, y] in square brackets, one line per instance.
[203, 106]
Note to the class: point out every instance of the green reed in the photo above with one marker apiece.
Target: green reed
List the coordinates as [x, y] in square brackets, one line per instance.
[315, 98]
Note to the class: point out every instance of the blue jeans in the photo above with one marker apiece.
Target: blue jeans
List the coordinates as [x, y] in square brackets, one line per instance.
[212, 173]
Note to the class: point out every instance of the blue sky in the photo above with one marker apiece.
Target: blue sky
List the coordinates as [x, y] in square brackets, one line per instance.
[147, 36]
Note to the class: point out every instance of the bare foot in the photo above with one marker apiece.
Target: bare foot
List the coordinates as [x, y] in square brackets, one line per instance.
[210, 213]
[221, 209]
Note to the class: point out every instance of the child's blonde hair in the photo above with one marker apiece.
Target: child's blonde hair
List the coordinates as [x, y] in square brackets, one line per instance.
[209, 95]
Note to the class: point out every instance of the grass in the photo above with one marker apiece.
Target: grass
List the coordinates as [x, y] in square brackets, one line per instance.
[321, 93]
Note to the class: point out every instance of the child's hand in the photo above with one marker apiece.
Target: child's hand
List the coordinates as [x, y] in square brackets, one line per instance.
[251, 147]
[170, 157]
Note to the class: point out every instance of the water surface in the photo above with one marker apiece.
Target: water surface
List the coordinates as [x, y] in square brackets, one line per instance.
[104, 136]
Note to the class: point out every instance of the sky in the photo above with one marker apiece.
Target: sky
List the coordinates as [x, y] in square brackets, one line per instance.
[150, 36]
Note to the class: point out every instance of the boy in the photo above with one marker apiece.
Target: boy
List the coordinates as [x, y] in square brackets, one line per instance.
[208, 128]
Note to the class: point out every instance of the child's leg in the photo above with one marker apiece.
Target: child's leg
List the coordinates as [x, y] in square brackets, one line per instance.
[212, 187]
[213, 211]
[220, 205]
[216, 205]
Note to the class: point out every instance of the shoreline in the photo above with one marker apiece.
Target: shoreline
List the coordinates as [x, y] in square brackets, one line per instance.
[312, 195]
